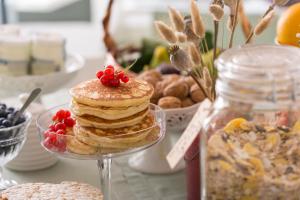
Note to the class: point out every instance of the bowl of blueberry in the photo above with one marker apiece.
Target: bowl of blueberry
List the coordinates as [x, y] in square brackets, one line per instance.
[12, 136]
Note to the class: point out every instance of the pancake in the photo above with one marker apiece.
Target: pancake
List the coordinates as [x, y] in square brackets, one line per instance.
[76, 146]
[93, 93]
[111, 113]
[91, 121]
[115, 138]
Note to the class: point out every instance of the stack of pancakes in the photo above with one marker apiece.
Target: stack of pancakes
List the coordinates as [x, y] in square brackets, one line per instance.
[110, 117]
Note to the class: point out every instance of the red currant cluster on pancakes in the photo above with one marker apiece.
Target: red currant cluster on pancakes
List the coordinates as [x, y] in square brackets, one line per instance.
[55, 136]
[111, 77]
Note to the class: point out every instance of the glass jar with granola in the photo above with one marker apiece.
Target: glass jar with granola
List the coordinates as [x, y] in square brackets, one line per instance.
[250, 145]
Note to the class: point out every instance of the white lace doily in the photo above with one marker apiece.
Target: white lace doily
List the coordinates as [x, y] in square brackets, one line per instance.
[179, 118]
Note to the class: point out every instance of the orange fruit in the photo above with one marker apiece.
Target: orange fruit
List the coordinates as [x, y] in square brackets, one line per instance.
[289, 25]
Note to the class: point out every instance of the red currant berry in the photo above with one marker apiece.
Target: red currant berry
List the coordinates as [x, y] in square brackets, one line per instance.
[52, 127]
[69, 122]
[110, 66]
[61, 132]
[114, 82]
[109, 71]
[99, 74]
[120, 75]
[67, 113]
[47, 133]
[110, 77]
[60, 126]
[104, 80]
[60, 115]
[52, 138]
[125, 79]
[54, 118]
[48, 143]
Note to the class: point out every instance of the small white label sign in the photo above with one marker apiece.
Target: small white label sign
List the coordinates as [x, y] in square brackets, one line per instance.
[189, 135]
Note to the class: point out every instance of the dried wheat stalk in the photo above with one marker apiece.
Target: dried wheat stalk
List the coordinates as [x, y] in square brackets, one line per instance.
[261, 28]
[165, 32]
[245, 23]
[263, 24]
[176, 19]
[195, 54]
[234, 23]
[216, 9]
[197, 23]
[181, 37]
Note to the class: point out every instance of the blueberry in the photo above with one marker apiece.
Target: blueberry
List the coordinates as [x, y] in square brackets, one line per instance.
[21, 120]
[1, 120]
[6, 123]
[10, 116]
[10, 109]
[3, 113]
[2, 106]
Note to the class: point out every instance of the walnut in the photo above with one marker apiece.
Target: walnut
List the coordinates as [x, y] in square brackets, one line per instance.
[151, 80]
[177, 89]
[169, 102]
[189, 80]
[196, 93]
[157, 94]
[171, 77]
[151, 76]
[161, 85]
[153, 73]
[187, 102]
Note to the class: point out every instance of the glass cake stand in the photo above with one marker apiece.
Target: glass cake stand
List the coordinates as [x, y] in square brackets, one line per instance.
[154, 134]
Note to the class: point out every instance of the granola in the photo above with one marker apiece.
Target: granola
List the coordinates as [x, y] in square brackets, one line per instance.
[247, 160]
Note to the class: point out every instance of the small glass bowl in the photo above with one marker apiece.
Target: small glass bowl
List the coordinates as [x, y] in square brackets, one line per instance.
[12, 140]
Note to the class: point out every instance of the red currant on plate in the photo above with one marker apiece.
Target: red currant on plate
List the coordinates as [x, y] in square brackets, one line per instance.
[104, 80]
[125, 79]
[60, 126]
[111, 77]
[61, 132]
[114, 82]
[69, 122]
[100, 74]
[120, 75]
[109, 71]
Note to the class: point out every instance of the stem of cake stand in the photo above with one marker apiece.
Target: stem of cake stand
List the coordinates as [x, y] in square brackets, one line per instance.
[104, 166]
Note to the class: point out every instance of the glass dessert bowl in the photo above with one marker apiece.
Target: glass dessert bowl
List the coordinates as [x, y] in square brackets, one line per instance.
[104, 146]
[11, 142]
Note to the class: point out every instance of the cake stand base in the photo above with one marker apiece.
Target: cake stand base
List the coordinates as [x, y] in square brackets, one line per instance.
[153, 161]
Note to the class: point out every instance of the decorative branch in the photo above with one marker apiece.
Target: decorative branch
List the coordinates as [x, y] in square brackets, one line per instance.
[217, 12]
[234, 23]
[109, 42]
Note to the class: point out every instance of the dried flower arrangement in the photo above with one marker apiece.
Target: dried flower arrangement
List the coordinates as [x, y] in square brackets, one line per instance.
[186, 37]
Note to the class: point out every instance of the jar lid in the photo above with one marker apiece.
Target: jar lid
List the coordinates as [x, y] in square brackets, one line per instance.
[260, 73]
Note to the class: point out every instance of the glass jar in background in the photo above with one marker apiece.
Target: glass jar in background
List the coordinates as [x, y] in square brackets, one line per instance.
[250, 144]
